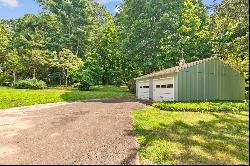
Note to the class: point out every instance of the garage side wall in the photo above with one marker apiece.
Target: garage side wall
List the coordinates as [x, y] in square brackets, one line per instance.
[137, 88]
[211, 80]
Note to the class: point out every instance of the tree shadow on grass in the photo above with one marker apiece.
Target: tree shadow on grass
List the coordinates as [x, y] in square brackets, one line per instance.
[223, 140]
[120, 100]
[101, 96]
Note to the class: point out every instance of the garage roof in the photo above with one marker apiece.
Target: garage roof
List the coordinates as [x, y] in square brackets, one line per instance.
[175, 69]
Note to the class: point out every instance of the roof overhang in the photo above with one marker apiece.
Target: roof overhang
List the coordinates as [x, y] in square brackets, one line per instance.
[173, 69]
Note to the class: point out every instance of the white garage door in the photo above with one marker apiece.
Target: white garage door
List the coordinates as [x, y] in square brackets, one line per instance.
[164, 90]
[143, 90]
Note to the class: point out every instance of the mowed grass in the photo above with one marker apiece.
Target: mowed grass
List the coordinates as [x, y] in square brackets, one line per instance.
[192, 137]
[10, 97]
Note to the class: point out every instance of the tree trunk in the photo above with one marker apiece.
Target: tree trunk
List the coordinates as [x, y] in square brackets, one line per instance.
[77, 49]
[66, 77]
[14, 78]
[34, 73]
[60, 80]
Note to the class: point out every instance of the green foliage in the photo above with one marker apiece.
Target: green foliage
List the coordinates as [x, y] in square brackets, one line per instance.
[30, 84]
[153, 33]
[5, 79]
[38, 39]
[92, 71]
[104, 62]
[192, 138]
[36, 59]
[145, 36]
[4, 38]
[78, 22]
[10, 97]
[230, 31]
[119, 82]
[76, 85]
[84, 86]
[30, 43]
[12, 64]
[132, 86]
[203, 106]
[80, 74]
[66, 61]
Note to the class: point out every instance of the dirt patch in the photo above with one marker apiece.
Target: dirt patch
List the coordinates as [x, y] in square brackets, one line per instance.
[88, 132]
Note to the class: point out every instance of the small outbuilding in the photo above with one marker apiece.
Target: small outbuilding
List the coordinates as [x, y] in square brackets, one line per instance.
[208, 79]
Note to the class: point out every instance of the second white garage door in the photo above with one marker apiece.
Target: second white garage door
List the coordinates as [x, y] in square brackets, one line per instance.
[164, 89]
[143, 90]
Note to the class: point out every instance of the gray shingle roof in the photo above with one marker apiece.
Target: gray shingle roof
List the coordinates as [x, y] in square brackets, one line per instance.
[175, 69]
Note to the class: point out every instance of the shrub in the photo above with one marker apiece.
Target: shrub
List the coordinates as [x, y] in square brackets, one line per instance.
[76, 85]
[118, 82]
[84, 86]
[30, 84]
[132, 86]
[9, 84]
[203, 106]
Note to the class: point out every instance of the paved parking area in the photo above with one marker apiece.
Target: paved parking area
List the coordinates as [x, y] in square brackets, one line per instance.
[90, 132]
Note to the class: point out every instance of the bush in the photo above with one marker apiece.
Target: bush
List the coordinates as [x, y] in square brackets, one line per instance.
[76, 85]
[118, 82]
[132, 86]
[9, 84]
[30, 84]
[84, 86]
[203, 106]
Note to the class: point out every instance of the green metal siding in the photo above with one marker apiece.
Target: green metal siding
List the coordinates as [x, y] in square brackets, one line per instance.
[176, 87]
[200, 82]
[181, 92]
[211, 80]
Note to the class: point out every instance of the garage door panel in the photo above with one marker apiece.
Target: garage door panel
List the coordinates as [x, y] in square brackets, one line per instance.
[143, 92]
[164, 90]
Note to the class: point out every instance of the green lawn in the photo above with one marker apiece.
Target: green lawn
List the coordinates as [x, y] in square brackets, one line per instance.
[192, 137]
[18, 97]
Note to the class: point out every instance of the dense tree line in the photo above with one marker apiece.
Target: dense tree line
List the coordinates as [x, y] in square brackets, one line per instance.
[153, 34]
[76, 40]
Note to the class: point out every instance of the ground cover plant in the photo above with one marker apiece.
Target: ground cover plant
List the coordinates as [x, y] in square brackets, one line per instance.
[203, 106]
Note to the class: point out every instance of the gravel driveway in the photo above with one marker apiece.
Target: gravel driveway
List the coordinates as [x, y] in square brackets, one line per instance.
[91, 132]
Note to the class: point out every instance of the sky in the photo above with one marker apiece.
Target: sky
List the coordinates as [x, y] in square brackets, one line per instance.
[17, 8]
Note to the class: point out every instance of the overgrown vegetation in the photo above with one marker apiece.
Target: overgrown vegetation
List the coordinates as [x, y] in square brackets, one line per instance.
[219, 106]
[132, 86]
[19, 97]
[192, 138]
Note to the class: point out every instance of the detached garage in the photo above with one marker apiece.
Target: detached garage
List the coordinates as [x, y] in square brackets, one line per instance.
[208, 79]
